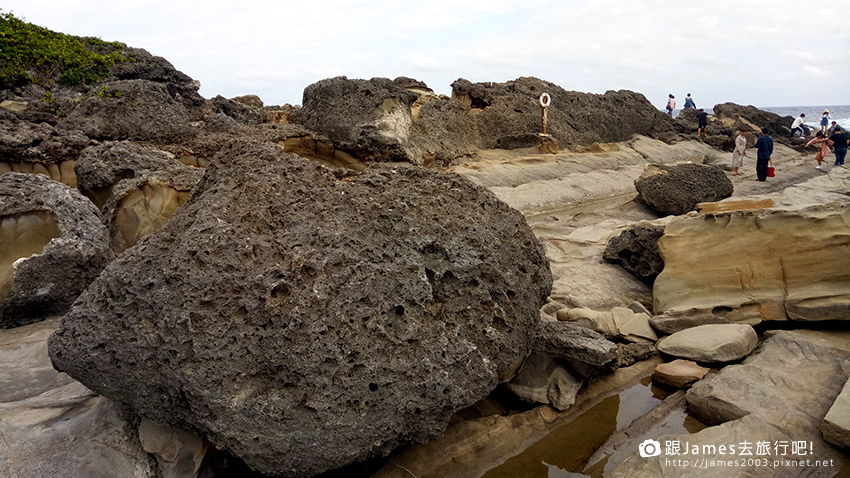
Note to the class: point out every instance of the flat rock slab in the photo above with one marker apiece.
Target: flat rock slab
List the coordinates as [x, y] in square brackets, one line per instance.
[712, 343]
[51, 425]
[836, 424]
[790, 382]
[707, 461]
[678, 373]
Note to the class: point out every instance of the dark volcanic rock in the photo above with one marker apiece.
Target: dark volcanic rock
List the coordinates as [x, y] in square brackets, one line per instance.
[302, 321]
[131, 109]
[24, 141]
[636, 249]
[53, 246]
[369, 117]
[746, 116]
[677, 189]
[513, 108]
[145, 66]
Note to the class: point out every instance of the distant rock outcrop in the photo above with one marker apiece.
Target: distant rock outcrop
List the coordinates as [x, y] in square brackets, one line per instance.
[677, 189]
[503, 110]
[54, 245]
[304, 321]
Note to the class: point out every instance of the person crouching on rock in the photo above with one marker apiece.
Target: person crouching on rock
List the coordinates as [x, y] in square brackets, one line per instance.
[797, 125]
[739, 153]
[823, 147]
[765, 150]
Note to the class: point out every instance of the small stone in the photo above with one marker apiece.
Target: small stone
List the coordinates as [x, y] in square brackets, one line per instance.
[714, 343]
[678, 373]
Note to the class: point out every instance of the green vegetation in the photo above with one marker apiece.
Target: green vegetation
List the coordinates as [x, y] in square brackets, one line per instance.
[39, 55]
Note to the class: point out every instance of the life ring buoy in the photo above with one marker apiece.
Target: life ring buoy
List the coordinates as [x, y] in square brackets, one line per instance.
[545, 100]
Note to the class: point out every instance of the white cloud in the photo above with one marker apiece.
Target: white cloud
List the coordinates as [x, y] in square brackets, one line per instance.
[748, 51]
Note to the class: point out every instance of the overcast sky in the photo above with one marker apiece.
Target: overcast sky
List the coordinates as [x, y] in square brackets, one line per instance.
[758, 52]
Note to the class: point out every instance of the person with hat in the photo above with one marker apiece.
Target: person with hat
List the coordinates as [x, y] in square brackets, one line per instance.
[824, 121]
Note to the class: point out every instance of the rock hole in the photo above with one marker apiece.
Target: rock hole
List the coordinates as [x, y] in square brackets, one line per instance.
[373, 387]
[399, 310]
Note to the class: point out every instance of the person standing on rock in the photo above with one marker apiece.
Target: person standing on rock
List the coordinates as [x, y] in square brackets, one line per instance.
[839, 141]
[702, 116]
[671, 104]
[765, 151]
[689, 102]
[739, 153]
[823, 147]
[824, 121]
[797, 125]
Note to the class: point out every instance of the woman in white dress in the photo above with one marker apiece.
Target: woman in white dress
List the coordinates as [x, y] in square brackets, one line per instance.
[739, 153]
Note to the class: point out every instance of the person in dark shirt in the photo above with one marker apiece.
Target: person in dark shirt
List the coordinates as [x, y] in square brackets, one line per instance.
[839, 140]
[765, 151]
[702, 116]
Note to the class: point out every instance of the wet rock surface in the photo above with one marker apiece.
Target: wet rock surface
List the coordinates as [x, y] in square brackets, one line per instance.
[54, 245]
[354, 315]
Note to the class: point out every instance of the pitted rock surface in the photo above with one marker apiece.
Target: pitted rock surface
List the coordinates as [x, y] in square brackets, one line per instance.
[508, 109]
[37, 283]
[677, 189]
[302, 321]
[636, 249]
[140, 110]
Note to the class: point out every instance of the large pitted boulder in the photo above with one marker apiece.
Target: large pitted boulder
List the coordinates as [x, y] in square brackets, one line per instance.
[27, 142]
[304, 321]
[52, 245]
[388, 120]
[505, 110]
[677, 189]
[636, 249]
[758, 264]
[131, 109]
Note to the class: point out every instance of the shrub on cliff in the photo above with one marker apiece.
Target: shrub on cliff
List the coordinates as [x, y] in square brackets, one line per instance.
[33, 54]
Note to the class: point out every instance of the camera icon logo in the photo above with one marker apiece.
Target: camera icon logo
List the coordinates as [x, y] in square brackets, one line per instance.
[649, 448]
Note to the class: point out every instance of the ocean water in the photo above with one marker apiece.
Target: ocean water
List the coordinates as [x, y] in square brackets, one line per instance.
[839, 113]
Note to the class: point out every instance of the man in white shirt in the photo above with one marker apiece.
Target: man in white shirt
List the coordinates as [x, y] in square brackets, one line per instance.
[798, 125]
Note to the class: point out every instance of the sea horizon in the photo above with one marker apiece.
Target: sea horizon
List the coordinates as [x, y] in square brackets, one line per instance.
[838, 113]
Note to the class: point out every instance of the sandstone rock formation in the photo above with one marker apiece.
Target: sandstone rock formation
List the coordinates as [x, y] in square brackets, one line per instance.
[586, 351]
[302, 321]
[53, 246]
[636, 249]
[52, 425]
[712, 343]
[619, 322]
[544, 379]
[677, 189]
[757, 265]
[836, 423]
[678, 373]
[137, 188]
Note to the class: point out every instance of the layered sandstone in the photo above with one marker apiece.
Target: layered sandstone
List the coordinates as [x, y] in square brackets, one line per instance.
[754, 265]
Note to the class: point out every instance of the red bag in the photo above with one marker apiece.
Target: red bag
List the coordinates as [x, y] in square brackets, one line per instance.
[770, 171]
